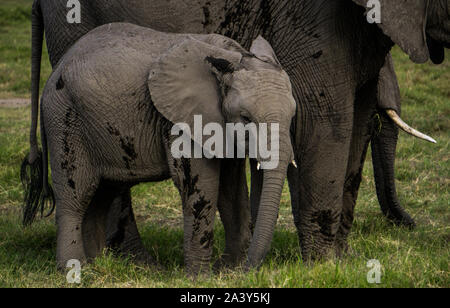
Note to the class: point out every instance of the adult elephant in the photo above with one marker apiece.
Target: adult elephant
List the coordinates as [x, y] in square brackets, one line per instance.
[333, 56]
[384, 139]
[388, 122]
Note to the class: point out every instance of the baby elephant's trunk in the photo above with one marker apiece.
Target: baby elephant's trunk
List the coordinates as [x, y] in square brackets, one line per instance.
[273, 182]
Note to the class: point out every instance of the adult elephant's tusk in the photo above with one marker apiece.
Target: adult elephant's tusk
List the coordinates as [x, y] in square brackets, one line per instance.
[408, 129]
[294, 163]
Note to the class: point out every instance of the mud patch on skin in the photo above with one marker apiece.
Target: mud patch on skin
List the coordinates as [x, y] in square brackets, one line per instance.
[189, 181]
[318, 54]
[325, 220]
[127, 145]
[60, 84]
[201, 209]
[207, 240]
[238, 14]
[113, 131]
[199, 206]
[71, 183]
[68, 157]
[207, 14]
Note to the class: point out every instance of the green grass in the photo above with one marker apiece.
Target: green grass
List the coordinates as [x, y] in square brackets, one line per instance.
[15, 50]
[417, 258]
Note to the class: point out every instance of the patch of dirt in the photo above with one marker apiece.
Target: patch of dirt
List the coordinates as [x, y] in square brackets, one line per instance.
[14, 102]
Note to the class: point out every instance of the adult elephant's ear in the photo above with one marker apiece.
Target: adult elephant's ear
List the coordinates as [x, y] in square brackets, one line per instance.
[404, 21]
[183, 83]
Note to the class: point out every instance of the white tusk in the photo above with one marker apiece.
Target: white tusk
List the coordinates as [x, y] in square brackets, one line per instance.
[408, 129]
[258, 166]
[295, 164]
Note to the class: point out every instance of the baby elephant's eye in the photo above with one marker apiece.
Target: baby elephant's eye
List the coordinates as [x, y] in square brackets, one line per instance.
[245, 119]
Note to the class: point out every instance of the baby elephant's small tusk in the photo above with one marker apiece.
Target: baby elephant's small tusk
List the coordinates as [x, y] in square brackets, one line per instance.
[295, 164]
[258, 166]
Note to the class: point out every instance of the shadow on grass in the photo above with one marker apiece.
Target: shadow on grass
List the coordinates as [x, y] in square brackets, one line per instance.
[34, 248]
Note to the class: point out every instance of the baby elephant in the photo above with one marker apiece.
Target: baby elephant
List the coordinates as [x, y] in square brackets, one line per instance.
[108, 116]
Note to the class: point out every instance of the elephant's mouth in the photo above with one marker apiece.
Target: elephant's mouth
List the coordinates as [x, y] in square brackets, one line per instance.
[438, 29]
[437, 50]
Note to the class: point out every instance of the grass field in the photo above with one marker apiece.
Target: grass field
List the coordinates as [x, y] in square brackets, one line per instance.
[418, 258]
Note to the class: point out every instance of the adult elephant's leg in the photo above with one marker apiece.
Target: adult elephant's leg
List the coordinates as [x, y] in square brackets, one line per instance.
[122, 234]
[384, 145]
[234, 212]
[293, 178]
[322, 144]
[365, 106]
[94, 222]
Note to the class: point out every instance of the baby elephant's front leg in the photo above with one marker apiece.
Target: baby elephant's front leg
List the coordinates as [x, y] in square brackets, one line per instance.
[198, 182]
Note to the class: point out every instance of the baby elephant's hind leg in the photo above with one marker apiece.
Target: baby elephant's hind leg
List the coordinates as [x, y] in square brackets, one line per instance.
[75, 188]
[75, 182]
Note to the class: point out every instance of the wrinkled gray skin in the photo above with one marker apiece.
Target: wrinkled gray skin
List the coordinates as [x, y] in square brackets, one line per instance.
[384, 144]
[333, 57]
[108, 110]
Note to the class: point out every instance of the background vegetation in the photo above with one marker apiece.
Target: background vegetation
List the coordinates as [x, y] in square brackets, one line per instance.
[417, 258]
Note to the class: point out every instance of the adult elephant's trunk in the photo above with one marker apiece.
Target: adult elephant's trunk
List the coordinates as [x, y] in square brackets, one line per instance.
[384, 145]
[273, 182]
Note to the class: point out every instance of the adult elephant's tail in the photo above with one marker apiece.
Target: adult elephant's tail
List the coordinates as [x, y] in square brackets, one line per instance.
[34, 171]
[37, 36]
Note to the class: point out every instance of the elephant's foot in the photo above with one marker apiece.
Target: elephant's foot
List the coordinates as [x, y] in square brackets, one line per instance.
[199, 271]
[312, 254]
[128, 244]
[342, 248]
[135, 252]
[228, 262]
[320, 246]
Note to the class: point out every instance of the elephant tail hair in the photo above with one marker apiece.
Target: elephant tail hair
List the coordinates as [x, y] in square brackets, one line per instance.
[38, 193]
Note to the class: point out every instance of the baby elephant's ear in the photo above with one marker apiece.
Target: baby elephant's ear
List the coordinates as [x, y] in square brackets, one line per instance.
[263, 50]
[182, 84]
